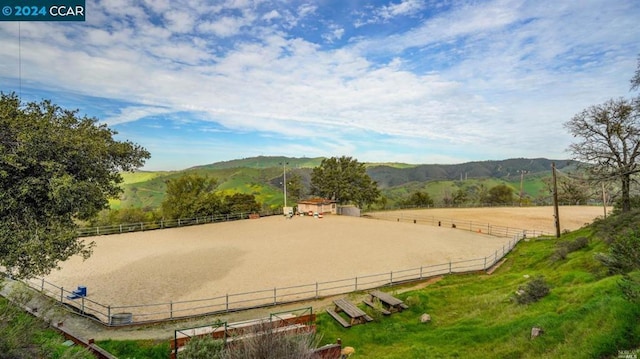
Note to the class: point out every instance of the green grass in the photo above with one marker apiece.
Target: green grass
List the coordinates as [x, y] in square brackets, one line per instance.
[137, 349]
[25, 336]
[584, 316]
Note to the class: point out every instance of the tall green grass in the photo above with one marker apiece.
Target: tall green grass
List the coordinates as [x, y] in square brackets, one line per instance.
[25, 336]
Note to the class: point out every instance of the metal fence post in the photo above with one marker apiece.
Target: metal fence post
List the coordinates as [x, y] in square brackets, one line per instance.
[61, 294]
[391, 278]
[317, 290]
[449, 266]
[42, 286]
[420, 272]
[227, 302]
[275, 301]
[356, 287]
[109, 315]
[171, 309]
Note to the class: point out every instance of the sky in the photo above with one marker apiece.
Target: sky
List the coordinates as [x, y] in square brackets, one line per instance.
[413, 81]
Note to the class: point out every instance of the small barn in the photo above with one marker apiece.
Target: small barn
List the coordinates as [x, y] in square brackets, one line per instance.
[318, 205]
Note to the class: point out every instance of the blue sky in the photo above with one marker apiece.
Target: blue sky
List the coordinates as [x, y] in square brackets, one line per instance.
[413, 81]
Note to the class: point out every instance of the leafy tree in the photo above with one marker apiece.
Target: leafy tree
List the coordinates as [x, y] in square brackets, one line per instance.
[460, 197]
[241, 203]
[419, 199]
[295, 188]
[609, 142]
[55, 168]
[345, 180]
[110, 217]
[500, 194]
[191, 195]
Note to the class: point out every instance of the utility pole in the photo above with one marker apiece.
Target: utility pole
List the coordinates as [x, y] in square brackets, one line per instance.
[522, 172]
[555, 200]
[284, 181]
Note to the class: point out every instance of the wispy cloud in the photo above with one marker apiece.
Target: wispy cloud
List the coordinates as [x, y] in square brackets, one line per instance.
[449, 80]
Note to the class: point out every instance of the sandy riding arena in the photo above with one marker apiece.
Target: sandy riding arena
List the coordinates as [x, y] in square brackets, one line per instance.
[212, 260]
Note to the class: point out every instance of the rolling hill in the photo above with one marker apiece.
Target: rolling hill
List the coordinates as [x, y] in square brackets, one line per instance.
[262, 177]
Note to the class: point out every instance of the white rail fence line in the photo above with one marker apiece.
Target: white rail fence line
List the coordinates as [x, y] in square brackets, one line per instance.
[485, 228]
[118, 315]
[164, 223]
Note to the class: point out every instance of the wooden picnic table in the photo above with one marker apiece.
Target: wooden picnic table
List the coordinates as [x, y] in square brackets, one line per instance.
[392, 303]
[355, 314]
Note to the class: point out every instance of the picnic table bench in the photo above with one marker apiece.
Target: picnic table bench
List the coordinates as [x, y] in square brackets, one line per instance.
[391, 303]
[355, 314]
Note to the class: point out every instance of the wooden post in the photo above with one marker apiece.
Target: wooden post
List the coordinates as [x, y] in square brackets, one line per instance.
[555, 200]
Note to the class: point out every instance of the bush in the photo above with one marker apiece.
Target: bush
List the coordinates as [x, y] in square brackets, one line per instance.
[630, 286]
[565, 247]
[203, 348]
[536, 289]
[624, 253]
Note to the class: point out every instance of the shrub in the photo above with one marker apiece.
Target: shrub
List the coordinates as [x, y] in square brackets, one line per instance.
[203, 348]
[565, 247]
[533, 291]
[630, 286]
[263, 342]
[624, 253]
[412, 301]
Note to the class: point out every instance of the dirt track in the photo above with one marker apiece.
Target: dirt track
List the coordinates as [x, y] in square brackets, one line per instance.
[215, 259]
[197, 262]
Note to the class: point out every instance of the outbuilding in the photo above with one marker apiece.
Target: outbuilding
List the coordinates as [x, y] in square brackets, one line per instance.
[318, 205]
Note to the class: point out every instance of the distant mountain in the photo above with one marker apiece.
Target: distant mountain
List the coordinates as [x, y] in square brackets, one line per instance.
[387, 176]
[265, 162]
[262, 176]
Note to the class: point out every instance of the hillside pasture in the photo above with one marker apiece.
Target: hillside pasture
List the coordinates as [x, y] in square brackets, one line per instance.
[233, 257]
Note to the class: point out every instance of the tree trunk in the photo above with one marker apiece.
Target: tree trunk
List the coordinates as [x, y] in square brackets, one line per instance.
[626, 199]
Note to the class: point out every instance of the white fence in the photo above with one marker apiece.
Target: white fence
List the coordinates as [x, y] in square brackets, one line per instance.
[165, 223]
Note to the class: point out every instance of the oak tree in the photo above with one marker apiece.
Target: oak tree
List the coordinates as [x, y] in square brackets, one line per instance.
[191, 195]
[609, 142]
[55, 168]
[345, 180]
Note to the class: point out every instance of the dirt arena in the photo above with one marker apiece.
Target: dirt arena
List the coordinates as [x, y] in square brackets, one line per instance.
[215, 259]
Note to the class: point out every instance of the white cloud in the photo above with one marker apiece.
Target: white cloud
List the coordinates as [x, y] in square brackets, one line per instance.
[335, 33]
[179, 21]
[405, 7]
[271, 15]
[133, 113]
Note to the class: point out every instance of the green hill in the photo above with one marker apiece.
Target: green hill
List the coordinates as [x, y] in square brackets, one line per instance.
[262, 177]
